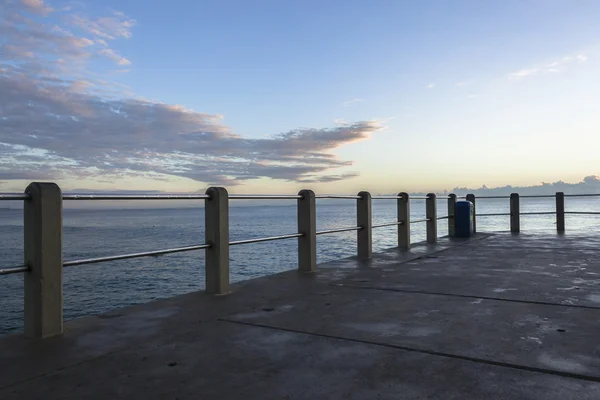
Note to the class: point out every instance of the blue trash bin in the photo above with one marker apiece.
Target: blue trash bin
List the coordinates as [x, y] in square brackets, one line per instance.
[465, 212]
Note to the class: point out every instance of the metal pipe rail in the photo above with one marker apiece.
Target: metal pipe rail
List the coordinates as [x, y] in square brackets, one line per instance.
[387, 224]
[335, 196]
[14, 196]
[386, 197]
[266, 239]
[485, 197]
[14, 270]
[582, 212]
[85, 261]
[134, 196]
[76, 196]
[337, 230]
[264, 196]
[416, 221]
[492, 215]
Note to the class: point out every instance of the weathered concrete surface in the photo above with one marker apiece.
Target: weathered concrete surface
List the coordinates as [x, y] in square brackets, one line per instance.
[503, 317]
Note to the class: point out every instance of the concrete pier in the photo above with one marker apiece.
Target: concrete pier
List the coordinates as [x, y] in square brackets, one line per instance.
[494, 317]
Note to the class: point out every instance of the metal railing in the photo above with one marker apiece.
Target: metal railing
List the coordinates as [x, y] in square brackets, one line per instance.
[43, 237]
[515, 210]
[43, 240]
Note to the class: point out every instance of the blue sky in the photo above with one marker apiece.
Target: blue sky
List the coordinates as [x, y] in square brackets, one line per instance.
[274, 96]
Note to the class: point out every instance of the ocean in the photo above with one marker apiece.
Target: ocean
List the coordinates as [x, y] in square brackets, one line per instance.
[96, 288]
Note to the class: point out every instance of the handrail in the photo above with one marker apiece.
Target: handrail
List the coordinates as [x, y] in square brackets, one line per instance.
[336, 196]
[487, 197]
[14, 270]
[264, 196]
[385, 197]
[538, 213]
[84, 261]
[328, 231]
[83, 196]
[419, 220]
[387, 224]
[266, 239]
[583, 212]
[69, 196]
[14, 196]
[492, 215]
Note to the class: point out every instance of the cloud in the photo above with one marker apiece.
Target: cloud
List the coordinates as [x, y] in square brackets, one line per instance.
[116, 26]
[37, 6]
[523, 73]
[552, 67]
[351, 102]
[461, 83]
[329, 178]
[430, 86]
[58, 121]
[113, 55]
[588, 185]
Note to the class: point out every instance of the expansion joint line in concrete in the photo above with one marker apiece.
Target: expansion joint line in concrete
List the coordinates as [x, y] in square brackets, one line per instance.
[563, 374]
[466, 296]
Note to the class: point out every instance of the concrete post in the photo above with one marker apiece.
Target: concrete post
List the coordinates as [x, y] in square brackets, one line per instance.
[307, 226]
[451, 215]
[515, 216]
[560, 211]
[216, 212]
[363, 219]
[404, 217]
[43, 255]
[431, 215]
[471, 198]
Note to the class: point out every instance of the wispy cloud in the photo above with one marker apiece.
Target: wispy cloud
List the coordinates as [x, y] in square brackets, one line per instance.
[37, 6]
[553, 67]
[352, 102]
[461, 83]
[113, 55]
[118, 25]
[430, 86]
[59, 120]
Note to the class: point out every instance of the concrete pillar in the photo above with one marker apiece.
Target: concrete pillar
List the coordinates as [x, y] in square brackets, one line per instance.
[216, 212]
[560, 211]
[43, 255]
[431, 215]
[451, 215]
[404, 216]
[515, 216]
[471, 198]
[307, 226]
[363, 219]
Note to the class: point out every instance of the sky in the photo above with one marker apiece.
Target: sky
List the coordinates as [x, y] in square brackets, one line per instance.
[276, 96]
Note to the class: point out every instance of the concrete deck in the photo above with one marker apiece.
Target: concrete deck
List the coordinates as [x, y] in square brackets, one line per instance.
[496, 317]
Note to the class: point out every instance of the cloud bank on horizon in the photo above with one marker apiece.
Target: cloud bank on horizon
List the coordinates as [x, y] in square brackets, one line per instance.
[588, 185]
[59, 119]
